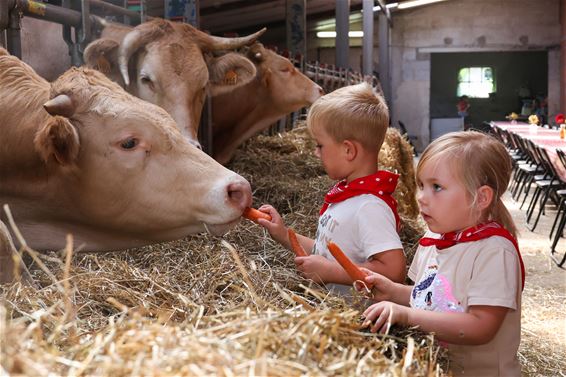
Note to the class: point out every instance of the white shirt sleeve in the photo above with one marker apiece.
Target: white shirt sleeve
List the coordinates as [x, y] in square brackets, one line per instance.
[495, 279]
[377, 229]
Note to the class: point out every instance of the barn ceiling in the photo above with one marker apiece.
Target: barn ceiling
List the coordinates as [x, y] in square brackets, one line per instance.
[221, 16]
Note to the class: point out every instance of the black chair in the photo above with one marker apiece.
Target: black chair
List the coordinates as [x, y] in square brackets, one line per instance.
[546, 186]
[560, 219]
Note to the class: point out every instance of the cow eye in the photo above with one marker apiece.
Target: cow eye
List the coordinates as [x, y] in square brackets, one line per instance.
[129, 143]
[145, 79]
[286, 69]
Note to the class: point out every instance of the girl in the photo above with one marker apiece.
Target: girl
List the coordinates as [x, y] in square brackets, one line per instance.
[468, 272]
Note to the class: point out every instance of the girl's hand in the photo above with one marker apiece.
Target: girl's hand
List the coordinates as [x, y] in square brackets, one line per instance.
[381, 316]
[276, 227]
[381, 287]
[314, 267]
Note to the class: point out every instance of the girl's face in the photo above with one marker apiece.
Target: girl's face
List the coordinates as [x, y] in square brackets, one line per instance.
[444, 201]
[331, 153]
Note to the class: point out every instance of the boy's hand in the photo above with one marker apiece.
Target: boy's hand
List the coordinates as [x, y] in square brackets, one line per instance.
[314, 267]
[382, 287]
[276, 228]
[381, 316]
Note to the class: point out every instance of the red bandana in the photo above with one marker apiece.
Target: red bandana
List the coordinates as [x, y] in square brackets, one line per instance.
[381, 184]
[475, 233]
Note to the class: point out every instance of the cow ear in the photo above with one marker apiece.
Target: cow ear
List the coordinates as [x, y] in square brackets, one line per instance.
[228, 72]
[57, 139]
[102, 55]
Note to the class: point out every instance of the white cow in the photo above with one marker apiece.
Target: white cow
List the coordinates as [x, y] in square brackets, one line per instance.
[82, 156]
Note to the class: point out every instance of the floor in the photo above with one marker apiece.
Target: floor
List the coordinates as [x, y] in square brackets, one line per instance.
[543, 343]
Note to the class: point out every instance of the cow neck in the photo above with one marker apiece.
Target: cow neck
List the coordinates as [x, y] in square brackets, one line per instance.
[20, 125]
[253, 110]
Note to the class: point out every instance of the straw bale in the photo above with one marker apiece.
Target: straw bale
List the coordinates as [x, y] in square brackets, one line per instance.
[207, 305]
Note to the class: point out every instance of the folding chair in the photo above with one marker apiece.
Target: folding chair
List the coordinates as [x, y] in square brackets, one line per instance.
[560, 219]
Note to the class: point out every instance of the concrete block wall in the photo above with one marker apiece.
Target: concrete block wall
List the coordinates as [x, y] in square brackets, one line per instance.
[465, 26]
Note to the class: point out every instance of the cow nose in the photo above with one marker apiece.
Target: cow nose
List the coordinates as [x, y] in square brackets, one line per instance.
[321, 91]
[240, 194]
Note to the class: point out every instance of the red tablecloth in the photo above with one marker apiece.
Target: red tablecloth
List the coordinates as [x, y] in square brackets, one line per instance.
[543, 137]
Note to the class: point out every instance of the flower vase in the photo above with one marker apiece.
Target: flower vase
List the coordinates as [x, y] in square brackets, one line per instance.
[562, 131]
[513, 121]
[533, 128]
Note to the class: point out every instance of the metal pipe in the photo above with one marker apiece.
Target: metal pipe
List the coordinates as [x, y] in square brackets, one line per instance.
[367, 41]
[103, 7]
[13, 38]
[342, 28]
[50, 12]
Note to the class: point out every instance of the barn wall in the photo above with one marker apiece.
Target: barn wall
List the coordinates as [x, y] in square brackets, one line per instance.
[455, 26]
[465, 26]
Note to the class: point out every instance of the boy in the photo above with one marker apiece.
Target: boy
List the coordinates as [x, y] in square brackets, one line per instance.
[359, 213]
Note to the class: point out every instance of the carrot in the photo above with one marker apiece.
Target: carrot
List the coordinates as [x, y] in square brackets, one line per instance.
[253, 215]
[353, 271]
[295, 245]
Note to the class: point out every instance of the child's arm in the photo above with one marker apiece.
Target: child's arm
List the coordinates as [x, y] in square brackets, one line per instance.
[278, 231]
[478, 326]
[390, 263]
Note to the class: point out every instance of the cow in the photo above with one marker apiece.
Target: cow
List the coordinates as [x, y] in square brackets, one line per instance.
[278, 89]
[80, 155]
[170, 64]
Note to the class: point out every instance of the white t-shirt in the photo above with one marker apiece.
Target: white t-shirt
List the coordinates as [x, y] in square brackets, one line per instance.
[484, 272]
[361, 226]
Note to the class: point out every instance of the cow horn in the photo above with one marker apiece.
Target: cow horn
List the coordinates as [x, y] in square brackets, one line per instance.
[61, 105]
[213, 43]
[135, 39]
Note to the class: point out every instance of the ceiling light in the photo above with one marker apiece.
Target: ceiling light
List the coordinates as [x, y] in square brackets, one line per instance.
[332, 34]
[377, 8]
[416, 3]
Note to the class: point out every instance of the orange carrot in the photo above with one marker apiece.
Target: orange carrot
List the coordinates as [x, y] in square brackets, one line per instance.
[295, 245]
[253, 215]
[353, 271]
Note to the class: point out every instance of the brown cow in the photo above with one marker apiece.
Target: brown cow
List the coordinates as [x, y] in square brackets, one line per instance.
[278, 89]
[82, 156]
[168, 64]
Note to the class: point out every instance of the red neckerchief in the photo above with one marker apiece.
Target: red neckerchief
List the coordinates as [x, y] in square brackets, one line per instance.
[381, 184]
[475, 233]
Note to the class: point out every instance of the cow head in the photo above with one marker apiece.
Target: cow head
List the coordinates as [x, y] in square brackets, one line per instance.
[288, 88]
[168, 64]
[127, 170]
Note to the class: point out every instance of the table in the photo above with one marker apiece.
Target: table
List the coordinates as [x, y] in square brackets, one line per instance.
[543, 137]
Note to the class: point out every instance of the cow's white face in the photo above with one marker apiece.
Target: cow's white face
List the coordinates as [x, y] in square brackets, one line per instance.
[174, 82]
[138, 174]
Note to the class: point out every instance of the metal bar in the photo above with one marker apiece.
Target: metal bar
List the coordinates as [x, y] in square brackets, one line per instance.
[103, 7]
[367, 42]
[342, 27]
[384, 9]
[384, 59]
[50, 12]
[13, 38]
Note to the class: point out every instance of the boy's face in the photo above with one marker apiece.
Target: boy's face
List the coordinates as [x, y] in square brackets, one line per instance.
[443, 200]
[331, 153]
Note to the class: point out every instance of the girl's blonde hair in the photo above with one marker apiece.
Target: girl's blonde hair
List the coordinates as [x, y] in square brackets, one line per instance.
[477, 159]
[353, 112]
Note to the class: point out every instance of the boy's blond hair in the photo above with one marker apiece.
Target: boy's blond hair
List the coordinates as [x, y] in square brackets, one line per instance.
[352, 113]
[477, 159]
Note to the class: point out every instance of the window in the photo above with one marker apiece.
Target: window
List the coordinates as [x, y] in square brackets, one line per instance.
[476, 82]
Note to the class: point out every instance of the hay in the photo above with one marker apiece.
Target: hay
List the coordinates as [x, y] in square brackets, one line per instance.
[206, 305]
